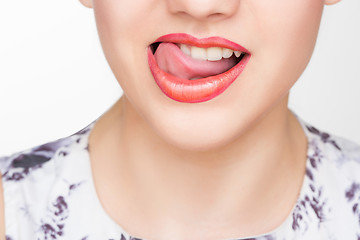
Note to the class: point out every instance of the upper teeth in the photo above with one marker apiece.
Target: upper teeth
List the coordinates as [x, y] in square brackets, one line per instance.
[210, 54]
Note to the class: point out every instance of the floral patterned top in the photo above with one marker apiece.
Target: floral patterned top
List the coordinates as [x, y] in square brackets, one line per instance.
[49, 193]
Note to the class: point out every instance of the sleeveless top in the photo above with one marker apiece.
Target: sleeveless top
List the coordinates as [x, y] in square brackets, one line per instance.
[49, 193]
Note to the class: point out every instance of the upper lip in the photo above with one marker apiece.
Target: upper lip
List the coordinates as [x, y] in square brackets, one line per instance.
[183, 38]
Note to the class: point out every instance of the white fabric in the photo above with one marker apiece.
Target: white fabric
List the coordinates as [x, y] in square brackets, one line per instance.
[49, 193]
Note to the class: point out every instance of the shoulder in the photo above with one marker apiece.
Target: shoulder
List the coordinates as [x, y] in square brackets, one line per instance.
[40, 166]
[331, 193]
[18, 165]
[33, 182]
[333, 159]
[336, 151]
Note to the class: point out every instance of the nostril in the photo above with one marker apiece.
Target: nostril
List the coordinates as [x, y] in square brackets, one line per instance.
[215, 16]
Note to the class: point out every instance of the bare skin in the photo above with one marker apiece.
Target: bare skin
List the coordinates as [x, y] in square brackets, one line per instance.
[228, 168]
[156, 191]
[246, 188]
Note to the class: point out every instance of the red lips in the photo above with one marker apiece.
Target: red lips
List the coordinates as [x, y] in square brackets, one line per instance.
[203, 89]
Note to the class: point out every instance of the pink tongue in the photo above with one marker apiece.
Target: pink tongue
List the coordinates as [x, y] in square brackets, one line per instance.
[172, 60]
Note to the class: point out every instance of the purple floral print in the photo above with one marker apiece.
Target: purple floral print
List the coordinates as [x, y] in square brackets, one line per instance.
[49, 193]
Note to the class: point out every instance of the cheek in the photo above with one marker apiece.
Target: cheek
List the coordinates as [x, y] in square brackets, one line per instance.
[111, 25]
[286, 34]
[121, 16]
[122, 29]
[285, 22]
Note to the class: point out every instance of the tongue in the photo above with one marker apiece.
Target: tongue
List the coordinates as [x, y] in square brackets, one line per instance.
[172, 60]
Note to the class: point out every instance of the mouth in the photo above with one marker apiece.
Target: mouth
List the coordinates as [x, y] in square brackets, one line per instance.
[192, 70]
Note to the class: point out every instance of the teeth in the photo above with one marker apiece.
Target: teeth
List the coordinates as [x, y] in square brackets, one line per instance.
[198, 53]
[186, 49]
[210, 54]
[227, 53]
[214, 54]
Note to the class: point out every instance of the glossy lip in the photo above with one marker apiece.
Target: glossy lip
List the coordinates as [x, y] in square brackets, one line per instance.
[200, 90]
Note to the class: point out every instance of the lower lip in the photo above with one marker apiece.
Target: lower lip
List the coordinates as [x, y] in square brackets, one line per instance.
[194, 91]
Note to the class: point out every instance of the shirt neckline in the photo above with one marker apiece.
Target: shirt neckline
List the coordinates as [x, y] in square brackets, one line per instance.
[281, 230]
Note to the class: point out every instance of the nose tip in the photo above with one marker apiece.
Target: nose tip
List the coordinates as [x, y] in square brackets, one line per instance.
[204, 9]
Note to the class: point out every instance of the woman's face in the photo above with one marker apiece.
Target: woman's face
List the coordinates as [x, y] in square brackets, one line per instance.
[279, 34]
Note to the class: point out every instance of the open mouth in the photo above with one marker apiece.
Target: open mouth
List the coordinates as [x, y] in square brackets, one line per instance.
[194, 70]
[191, 62]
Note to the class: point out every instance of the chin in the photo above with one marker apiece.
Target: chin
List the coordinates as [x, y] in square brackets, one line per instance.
[197, 140]
[200, 131]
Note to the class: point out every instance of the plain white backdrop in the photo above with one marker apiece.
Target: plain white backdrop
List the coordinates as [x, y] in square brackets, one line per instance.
[54, 79]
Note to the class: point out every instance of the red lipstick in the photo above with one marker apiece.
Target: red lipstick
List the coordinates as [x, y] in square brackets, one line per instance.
[199, 90]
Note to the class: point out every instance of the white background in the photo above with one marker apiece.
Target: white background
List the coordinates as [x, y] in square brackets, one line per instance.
[54, 79]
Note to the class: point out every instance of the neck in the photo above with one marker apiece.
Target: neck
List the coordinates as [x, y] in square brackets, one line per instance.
[169, 183]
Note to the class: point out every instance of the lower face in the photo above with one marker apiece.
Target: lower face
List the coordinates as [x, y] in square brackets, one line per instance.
[277, 39]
